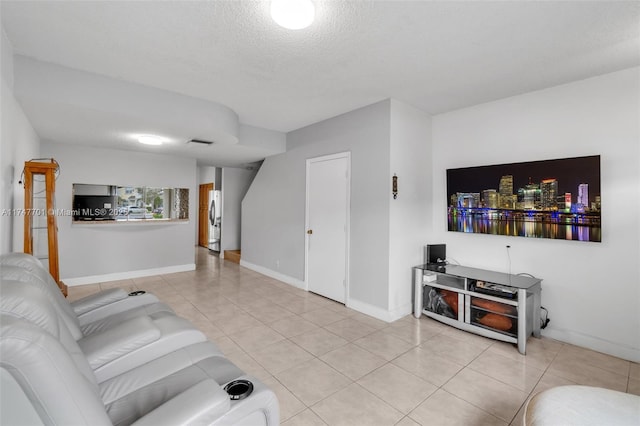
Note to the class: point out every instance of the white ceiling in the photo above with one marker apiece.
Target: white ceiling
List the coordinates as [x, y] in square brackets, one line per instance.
[437, 56]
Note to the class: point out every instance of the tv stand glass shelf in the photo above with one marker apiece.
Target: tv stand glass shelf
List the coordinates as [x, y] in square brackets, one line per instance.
[492, 304]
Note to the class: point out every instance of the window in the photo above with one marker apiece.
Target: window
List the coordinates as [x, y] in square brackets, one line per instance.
[129, 203]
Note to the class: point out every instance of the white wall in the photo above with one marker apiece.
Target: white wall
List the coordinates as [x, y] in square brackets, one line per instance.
[273, 210]
[271, 223]
[236, 182]
[19, 143]
[207, 174]
[267, 140]
[591, 290]
[410, 212]
[386, 235]
[102, 252]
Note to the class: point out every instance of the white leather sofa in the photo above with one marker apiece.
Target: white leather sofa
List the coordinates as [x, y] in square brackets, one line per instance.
[92, 308]
[113, 344]
[582, 406]
[52, 368]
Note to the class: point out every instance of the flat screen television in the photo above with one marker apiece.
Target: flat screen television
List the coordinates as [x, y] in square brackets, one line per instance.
[557, 199]
[94, 207]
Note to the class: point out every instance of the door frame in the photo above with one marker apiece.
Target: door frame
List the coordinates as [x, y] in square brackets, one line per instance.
[203, 218]
[309, 162]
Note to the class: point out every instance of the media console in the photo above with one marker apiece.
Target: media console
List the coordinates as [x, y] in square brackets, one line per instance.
[493, 304]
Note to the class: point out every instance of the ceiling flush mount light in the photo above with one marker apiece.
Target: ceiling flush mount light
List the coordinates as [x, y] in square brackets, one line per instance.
[150, 140]
[293, 14]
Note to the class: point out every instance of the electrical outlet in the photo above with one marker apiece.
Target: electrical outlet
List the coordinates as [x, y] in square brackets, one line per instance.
[278, 264]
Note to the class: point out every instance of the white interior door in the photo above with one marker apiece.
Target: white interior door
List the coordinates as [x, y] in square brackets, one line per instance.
[327, 237]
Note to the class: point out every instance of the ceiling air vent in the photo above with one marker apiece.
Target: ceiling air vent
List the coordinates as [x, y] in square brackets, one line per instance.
[200, 141]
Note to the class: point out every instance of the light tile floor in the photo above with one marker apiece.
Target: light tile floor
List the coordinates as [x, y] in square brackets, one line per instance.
[331, 365]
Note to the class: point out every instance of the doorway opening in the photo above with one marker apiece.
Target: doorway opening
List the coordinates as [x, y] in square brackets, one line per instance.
[209, 217]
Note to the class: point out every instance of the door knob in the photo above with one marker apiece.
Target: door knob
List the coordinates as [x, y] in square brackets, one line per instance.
[310, 231]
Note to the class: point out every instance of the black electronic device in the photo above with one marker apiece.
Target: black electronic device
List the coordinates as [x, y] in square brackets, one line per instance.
[493, 289]
[94, 207]
[435, 254]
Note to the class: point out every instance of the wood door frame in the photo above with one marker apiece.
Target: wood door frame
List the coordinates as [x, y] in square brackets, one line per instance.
[203, 214]
[347, 155]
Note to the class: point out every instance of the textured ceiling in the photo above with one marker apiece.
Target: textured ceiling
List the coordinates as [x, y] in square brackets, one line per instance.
[437, 56]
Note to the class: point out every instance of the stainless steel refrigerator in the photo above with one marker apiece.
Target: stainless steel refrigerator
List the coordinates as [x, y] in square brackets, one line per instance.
[215, 219]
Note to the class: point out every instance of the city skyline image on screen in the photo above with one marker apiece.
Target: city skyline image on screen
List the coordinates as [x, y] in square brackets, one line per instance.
[557, 199]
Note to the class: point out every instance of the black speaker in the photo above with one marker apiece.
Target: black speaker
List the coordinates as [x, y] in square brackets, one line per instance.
[435, 254]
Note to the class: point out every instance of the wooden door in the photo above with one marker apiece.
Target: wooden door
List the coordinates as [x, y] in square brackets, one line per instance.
[203, 214]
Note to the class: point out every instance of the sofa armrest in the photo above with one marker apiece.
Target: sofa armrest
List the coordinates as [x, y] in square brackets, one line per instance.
[200, 404]
[126, 337]
[110, 304]
[97, 300]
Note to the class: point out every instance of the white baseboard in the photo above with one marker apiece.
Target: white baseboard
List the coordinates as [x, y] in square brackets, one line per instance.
[401, 312]
[365, 308]
[274, 274]
[594, 343]
[94, 279]
[377, 312]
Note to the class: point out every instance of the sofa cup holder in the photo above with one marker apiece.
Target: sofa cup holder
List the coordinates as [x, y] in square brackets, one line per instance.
[239, 389]
[137, 293]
